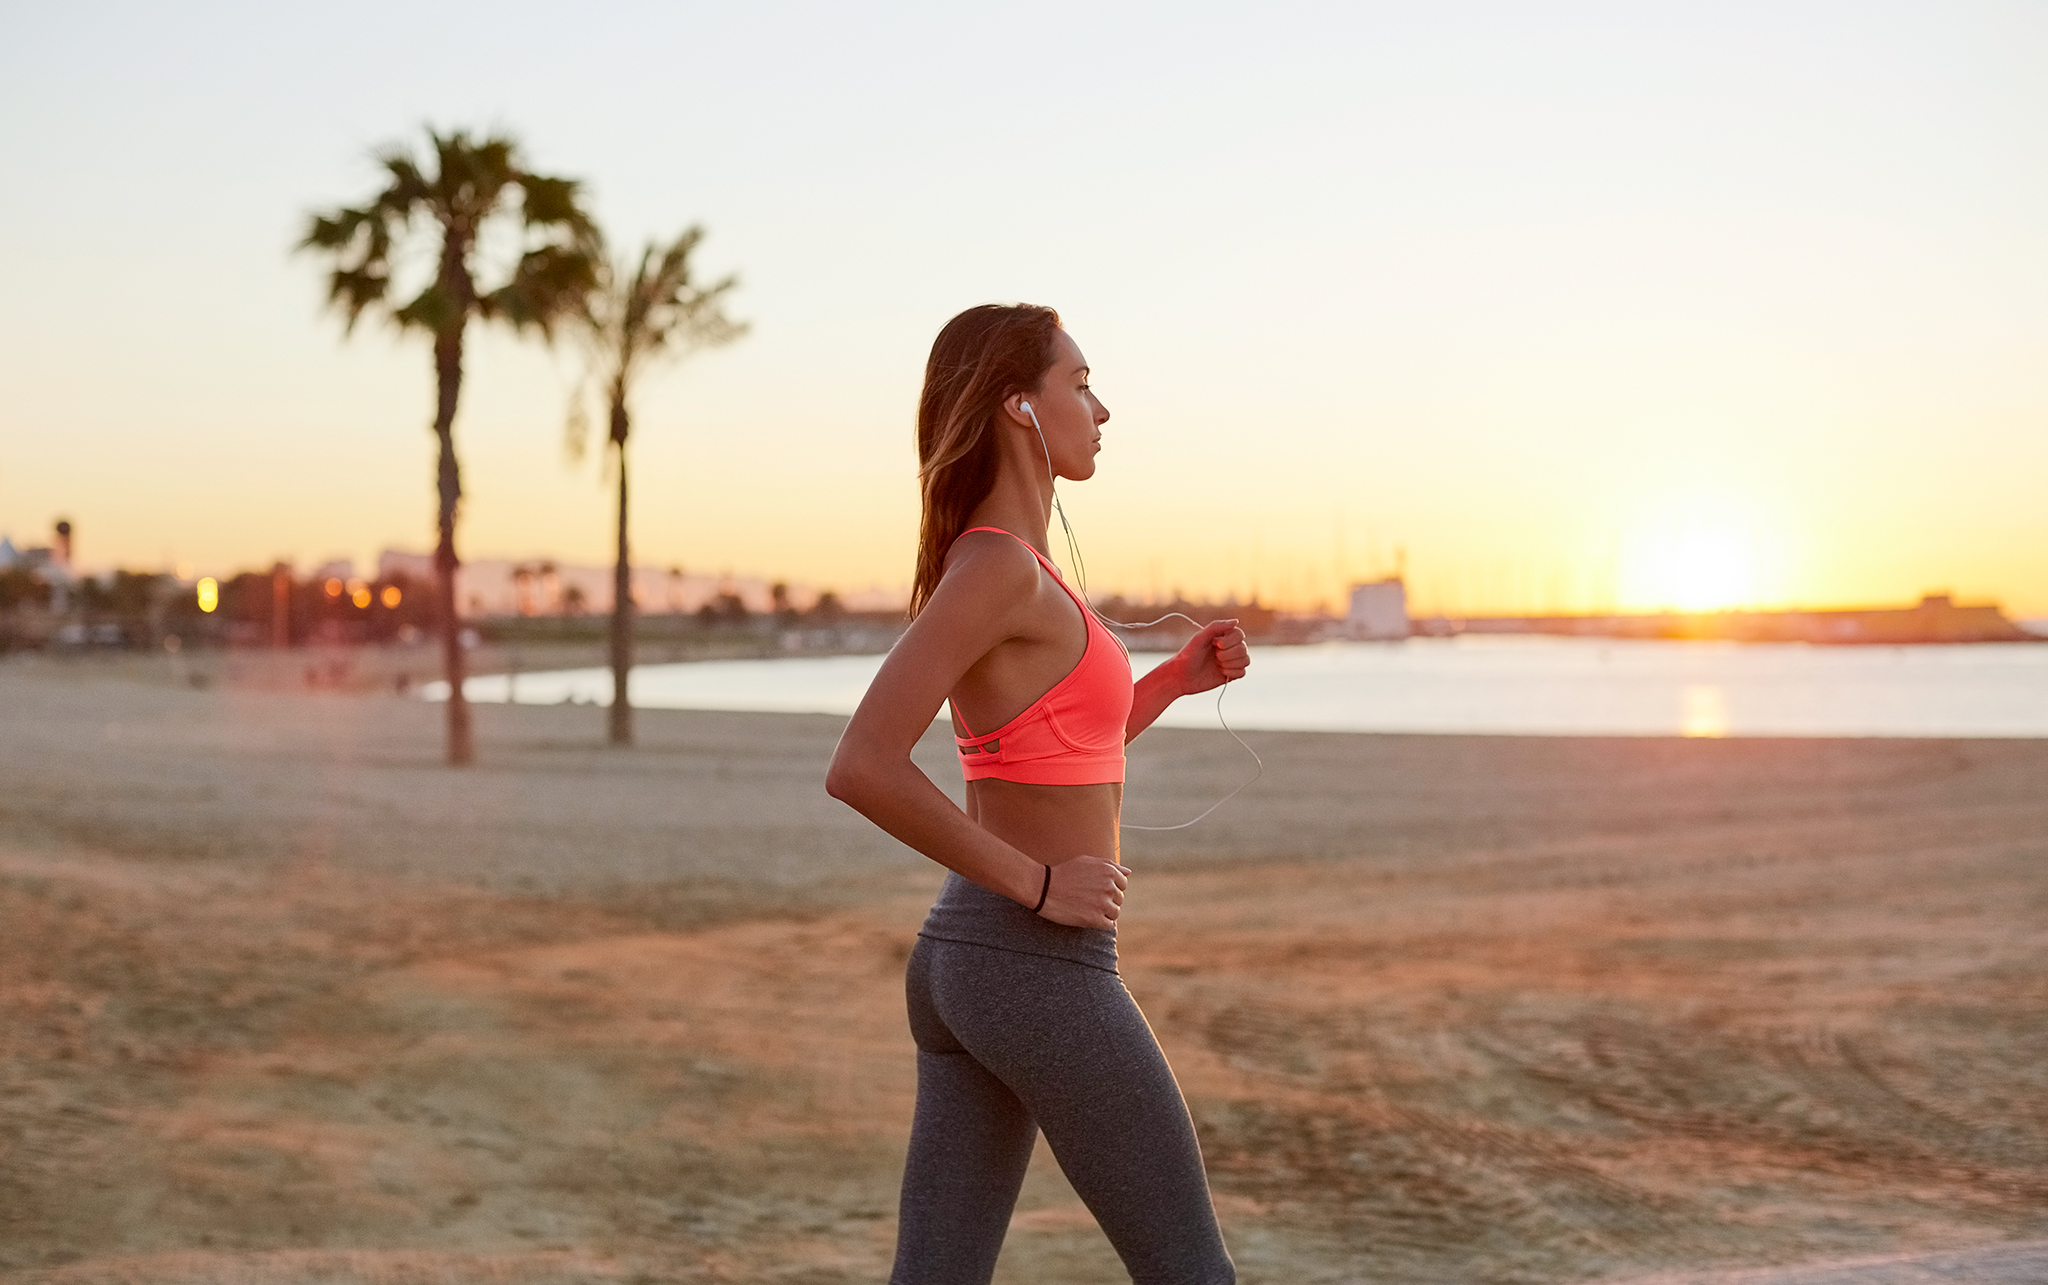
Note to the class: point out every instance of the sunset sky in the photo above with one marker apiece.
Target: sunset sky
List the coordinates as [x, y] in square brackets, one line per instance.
[1580, 305]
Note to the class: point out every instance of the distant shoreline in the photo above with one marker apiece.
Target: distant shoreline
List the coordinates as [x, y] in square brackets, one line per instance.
[1482, 685]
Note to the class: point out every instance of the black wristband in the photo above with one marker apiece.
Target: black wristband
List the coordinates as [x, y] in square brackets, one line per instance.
[1043, 889]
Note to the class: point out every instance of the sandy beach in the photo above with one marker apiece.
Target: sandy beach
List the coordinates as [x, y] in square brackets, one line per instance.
[283, 1000]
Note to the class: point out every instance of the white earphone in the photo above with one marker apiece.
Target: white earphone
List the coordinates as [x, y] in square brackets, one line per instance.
[1081, 574]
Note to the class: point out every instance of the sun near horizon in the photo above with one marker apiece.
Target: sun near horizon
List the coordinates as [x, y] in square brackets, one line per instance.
[1699, 565]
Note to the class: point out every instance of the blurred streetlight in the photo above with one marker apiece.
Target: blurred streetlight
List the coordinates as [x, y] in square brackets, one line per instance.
[209, 594]
[391, 596]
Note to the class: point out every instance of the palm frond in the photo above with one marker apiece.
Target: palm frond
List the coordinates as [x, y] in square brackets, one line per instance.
[359, 242]
[431, 310]
[351, 291]
[637, 310]
[473, 178]
[334, 231]
[681, 316]
[462, 185]
[551, 283]
[409, 189]
[554, 203]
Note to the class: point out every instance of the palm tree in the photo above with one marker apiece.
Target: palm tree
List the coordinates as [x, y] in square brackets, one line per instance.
[633, 319]
[468, 192]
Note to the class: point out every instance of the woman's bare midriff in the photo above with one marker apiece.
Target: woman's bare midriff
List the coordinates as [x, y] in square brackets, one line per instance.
[1049, 823]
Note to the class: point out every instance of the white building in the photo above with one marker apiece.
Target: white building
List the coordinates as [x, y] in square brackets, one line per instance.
[1379, 610]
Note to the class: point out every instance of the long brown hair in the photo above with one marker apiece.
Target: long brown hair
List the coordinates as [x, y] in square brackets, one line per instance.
[981, 357]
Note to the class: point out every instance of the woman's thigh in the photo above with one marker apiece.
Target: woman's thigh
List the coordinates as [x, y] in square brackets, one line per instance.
[970, 1143]
[1070, 1042]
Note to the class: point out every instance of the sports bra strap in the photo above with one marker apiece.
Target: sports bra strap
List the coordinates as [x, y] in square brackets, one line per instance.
[1000, 531]
[1087, 612]
[1042, 559]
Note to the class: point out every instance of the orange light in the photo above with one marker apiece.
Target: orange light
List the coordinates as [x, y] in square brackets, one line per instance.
[209, 595]
[333, 588]
[391, 595]
[360, 597]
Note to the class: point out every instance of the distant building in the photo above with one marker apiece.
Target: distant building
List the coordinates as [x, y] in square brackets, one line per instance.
[50, 563]
[1379, 610]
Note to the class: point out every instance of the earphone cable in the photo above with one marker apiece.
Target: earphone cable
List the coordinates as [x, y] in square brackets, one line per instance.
[1081, 574]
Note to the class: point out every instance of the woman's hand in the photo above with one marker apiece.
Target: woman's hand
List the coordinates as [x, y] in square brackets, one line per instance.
[1086, 892]
[1216, 655]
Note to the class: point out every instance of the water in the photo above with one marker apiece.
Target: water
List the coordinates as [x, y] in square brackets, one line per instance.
[1512, 685]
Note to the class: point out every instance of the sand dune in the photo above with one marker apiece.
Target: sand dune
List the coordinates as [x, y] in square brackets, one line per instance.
[282, 1000]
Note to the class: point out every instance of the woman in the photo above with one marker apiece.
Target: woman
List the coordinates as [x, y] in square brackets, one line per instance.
[1020, 1018]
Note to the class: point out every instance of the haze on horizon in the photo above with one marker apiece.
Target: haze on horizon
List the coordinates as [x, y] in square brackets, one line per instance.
[1581, 305]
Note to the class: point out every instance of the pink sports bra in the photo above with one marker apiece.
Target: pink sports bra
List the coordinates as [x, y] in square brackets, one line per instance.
[1072, 735]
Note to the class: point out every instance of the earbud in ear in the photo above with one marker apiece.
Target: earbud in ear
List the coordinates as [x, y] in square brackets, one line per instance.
[1025, 407]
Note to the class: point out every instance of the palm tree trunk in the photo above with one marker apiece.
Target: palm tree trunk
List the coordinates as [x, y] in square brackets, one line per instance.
[448, 369]
[622, 600]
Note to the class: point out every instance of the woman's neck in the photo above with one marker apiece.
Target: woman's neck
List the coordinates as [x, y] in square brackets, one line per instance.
[1017, 506]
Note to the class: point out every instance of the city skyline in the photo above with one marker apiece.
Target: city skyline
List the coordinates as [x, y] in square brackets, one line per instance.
[1603, 309]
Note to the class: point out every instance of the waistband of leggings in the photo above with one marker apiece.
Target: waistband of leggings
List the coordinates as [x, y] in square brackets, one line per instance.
[968, 913]
[927, 935]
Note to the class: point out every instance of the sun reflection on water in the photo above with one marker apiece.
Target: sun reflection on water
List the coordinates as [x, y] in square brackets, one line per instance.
[1705, 712]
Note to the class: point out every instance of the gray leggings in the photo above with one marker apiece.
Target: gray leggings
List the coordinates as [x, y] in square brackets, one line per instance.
[1008, 1043]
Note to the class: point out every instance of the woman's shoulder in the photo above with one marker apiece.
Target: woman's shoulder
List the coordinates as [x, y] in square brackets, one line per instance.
[993, 560]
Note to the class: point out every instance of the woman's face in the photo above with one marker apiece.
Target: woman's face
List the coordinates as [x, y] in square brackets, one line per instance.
[1069, 413]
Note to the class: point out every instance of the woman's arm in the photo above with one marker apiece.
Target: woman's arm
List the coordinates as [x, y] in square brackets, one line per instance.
[983, 600]
[1217, 654]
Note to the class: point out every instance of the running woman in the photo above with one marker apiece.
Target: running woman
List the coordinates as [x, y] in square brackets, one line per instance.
[1021, 1020]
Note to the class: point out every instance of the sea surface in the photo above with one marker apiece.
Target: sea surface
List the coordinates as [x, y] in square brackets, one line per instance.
[1499, 685]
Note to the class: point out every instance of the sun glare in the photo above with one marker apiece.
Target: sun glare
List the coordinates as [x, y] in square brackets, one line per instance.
[1709, 570]
[1703, 565]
